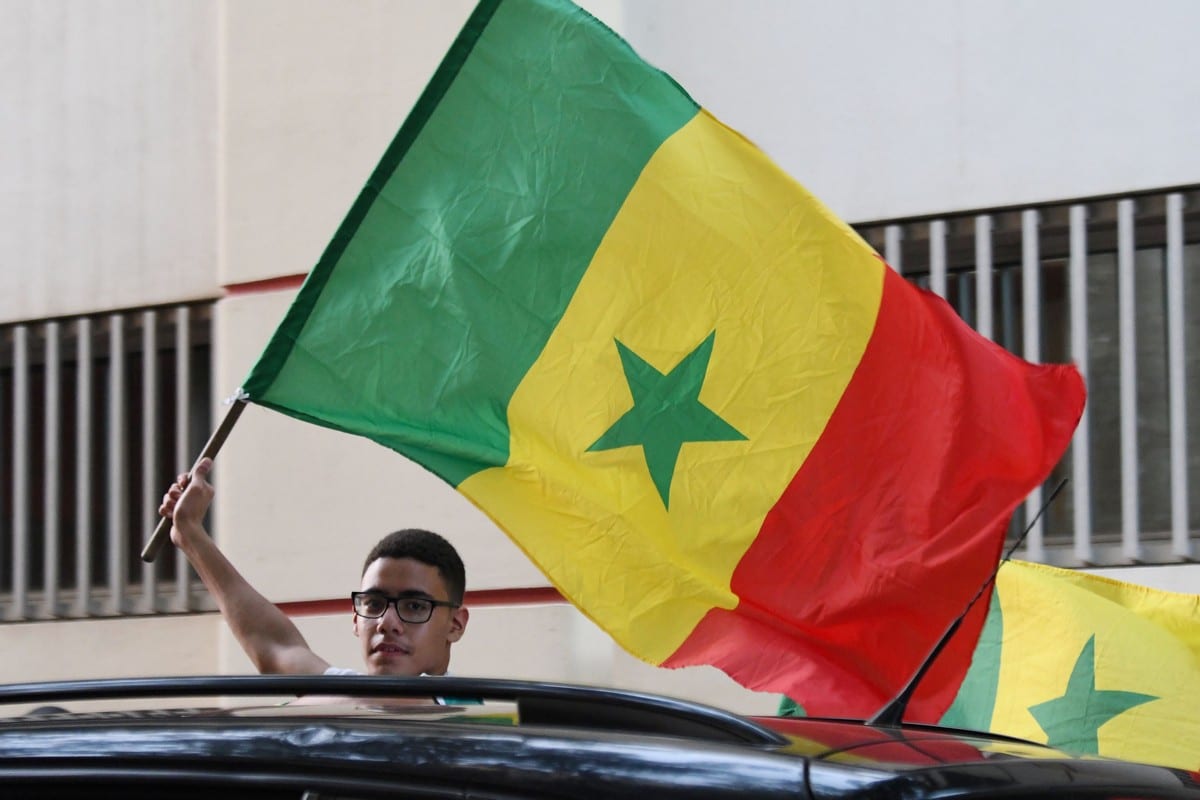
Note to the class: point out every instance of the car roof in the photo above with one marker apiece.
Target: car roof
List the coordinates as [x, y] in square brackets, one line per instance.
[360, 736]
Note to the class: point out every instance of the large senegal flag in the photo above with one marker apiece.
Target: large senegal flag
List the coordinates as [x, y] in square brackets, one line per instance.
[698, 401]
[1087, 664]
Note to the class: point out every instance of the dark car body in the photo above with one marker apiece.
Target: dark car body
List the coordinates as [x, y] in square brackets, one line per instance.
[362, 737]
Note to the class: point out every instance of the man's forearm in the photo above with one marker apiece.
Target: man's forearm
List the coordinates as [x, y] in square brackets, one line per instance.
[271, 640]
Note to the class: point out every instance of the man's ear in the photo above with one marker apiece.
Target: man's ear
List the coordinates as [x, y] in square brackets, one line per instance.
[354, 621]
[458, 624]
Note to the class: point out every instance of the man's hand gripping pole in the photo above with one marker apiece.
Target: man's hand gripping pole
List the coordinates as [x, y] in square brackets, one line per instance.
[163, 530]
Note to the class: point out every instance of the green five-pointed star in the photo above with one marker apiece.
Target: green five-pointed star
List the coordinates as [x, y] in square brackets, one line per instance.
[666, 413]
[1073, 720]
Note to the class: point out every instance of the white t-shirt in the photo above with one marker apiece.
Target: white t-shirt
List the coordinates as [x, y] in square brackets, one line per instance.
[341, 671]
[345, 671]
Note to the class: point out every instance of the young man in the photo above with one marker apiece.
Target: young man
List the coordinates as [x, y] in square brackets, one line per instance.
[407, 613]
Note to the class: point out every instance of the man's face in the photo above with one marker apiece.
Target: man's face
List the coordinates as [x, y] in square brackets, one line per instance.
[391, 646]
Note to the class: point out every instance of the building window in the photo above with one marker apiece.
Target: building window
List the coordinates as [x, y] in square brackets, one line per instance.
[97, 415]
[1106, 283]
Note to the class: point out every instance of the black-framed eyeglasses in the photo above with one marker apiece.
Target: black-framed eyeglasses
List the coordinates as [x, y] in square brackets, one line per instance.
[413, 609]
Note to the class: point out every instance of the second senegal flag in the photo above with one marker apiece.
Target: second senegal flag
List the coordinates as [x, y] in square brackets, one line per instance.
[701, 404]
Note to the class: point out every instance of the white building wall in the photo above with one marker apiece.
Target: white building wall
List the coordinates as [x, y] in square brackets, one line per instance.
[108, 154]
[889, 109]
[200, 145]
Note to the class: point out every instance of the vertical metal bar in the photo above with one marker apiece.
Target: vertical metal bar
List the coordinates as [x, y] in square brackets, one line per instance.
[6, 448]
[83, 469]
[183, 393]
[118, 516]
[983, 275]
[893, 235]
[20, 478]
[149, 449]
[1081, 443]
[1031, 283]
[1177, 379]
[966, 292]
[1127, 337]
[1031, 350]
[937, 257]
[50, 474]
[1008, 309]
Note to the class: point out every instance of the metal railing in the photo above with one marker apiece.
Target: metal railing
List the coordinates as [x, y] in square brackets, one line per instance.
[1104, 283]
[97, 414]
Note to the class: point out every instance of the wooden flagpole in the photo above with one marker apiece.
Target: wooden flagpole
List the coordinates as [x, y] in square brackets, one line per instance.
[161, 532]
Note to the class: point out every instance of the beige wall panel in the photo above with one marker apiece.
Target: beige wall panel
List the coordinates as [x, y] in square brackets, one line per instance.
[543, 642]
[110, 648]
[108, 154]
[299, 505]
[701, 684]
[315, 90]
[1183, 578]
[556, 642]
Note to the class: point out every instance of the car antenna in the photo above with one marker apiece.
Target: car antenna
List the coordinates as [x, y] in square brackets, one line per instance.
[892, 714]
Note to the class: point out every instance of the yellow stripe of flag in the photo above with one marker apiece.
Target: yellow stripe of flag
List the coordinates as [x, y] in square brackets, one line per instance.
[706, 243]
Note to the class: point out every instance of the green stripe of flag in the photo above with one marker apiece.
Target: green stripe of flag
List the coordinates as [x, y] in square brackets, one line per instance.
[462, 252]
[976, 699]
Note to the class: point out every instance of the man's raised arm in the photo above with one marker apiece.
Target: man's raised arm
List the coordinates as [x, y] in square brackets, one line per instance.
[270, 639]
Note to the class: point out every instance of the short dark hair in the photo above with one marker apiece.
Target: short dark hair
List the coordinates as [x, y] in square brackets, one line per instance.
[428, 548]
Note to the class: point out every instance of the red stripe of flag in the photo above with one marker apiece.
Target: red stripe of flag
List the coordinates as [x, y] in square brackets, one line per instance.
[938, 436]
